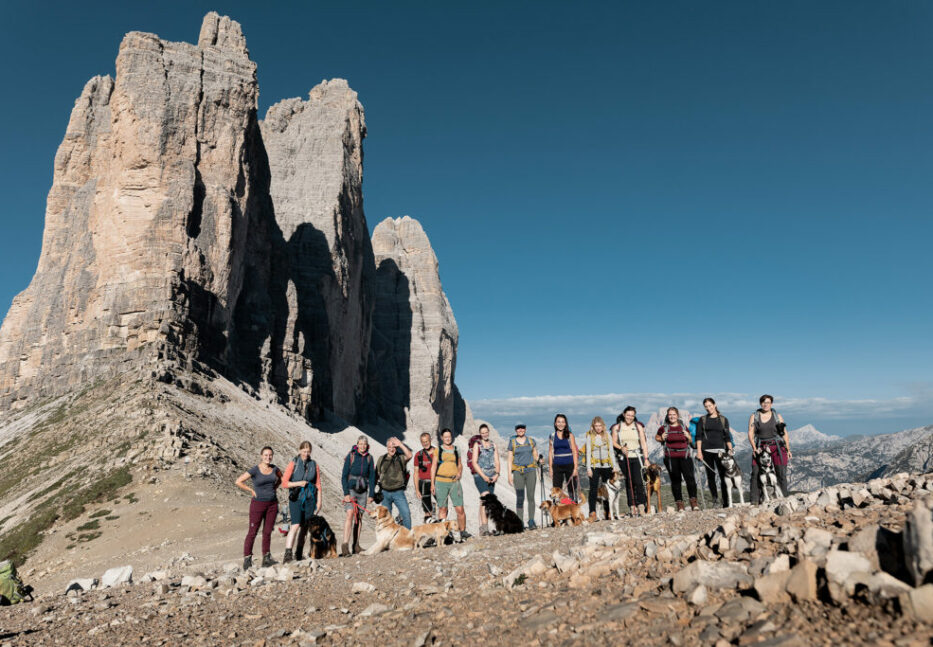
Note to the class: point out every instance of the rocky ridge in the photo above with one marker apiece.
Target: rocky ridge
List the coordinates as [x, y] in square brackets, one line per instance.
[852, 564]
[207, 285]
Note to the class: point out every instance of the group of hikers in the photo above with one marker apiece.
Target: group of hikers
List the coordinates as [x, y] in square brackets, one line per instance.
[604, 457]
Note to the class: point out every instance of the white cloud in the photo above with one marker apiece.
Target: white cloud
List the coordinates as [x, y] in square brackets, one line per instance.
[610, 404]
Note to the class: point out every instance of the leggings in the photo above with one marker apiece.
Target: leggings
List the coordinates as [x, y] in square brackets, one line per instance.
[635, 486]
[600, 475]
[714, 460]
[260, 512]
[427, 503]
[564, 474]
[677, 468]
[525, 482]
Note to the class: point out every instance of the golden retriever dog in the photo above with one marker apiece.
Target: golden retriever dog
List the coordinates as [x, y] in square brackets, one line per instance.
[563, 512]
[434, 534]
[389, 534]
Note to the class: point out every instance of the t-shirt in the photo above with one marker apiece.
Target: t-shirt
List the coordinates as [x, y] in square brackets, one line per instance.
[714, 436]
[423, 460]
[264, 484]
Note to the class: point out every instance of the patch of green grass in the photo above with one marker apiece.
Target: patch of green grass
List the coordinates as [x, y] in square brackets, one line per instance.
[90, 525]
[131, 498]
[99, 513]
[4, 520]
[57, 484]
[112, 517]
[69, 546]
[20, 541]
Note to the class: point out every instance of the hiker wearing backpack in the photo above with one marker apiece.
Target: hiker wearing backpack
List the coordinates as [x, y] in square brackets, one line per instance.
[302, 479]
[562, 456]
[358, 480]
[713, 438]
[392, 475]
[484, 463]
[767, 431]
[446, 472]
[424, 461]
[523, 472]
[675, 437]
[628, 439]
[600, 461]
[263, 507]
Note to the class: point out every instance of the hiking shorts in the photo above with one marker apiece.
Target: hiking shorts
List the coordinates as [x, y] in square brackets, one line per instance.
[360, 498]
[452, 489]
[482, 486]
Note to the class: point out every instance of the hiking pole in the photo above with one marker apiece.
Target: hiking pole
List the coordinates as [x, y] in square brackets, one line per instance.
[702, 495]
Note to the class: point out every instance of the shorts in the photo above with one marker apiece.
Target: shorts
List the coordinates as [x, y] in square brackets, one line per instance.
[301, 512]
[359, 498]
[453, 489]
[482, 486]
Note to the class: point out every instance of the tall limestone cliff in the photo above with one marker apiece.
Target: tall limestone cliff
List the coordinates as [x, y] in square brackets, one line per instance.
[315, 150]
[414, 332]
[147, 217]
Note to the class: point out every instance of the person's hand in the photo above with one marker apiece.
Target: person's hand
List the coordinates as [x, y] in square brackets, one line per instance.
[589, 473]
[317, 509]
[625, 450]
[347, 498]
[788, 453]
[304, 484]
[432, 488]
[253, 492]
[370, 501]
[664, 437]
[511, 480]
[574, 472]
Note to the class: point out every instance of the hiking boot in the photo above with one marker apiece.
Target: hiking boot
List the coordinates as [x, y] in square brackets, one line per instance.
[593, 518]
[680, 505]
[344, 551]
[247, 562]
[288, 556]
[267, 560]
[693, 504]
[356, 549]
[465, 535]
[299, 556]
[531, 524]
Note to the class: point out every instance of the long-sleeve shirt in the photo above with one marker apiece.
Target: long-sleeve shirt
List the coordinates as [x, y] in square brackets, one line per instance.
[357, 465]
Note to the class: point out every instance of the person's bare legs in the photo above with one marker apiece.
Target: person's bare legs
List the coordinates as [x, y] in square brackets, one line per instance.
[348, 526]
[461, 518]
[290, 538]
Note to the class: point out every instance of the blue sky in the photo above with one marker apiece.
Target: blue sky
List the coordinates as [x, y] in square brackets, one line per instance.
[637, 198]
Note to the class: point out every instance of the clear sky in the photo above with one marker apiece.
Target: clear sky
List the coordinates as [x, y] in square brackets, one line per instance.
[638, 198]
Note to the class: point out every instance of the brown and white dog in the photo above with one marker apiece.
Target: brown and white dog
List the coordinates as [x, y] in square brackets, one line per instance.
[653, 485]
[389, 534]
[562, 513]
[435, 534]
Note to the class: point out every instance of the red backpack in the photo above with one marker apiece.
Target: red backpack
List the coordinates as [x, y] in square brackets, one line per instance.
[473, 440]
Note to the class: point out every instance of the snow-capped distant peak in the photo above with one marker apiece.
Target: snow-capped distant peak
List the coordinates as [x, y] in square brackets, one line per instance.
[810, 436]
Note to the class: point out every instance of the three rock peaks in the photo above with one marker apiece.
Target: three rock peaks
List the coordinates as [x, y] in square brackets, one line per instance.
[183, 234]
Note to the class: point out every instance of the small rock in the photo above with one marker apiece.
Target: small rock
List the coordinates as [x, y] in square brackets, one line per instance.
[363, 587]
[801, 583]
[563, 562]
[780, 564]
[770, 588]
[715, 575]
[920, 603]
[698, 596]
[116, 576]
[85, 584]
[918, 541]
[373, 609]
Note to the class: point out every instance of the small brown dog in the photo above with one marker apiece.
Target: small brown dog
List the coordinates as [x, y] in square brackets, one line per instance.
[435, 533]
[653, 485]
[563, 513]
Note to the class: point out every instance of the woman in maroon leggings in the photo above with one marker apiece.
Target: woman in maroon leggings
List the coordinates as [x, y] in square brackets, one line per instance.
[263, 507]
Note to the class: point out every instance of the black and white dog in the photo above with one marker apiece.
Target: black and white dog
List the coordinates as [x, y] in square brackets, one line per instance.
[733, 478]
[767, 478]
